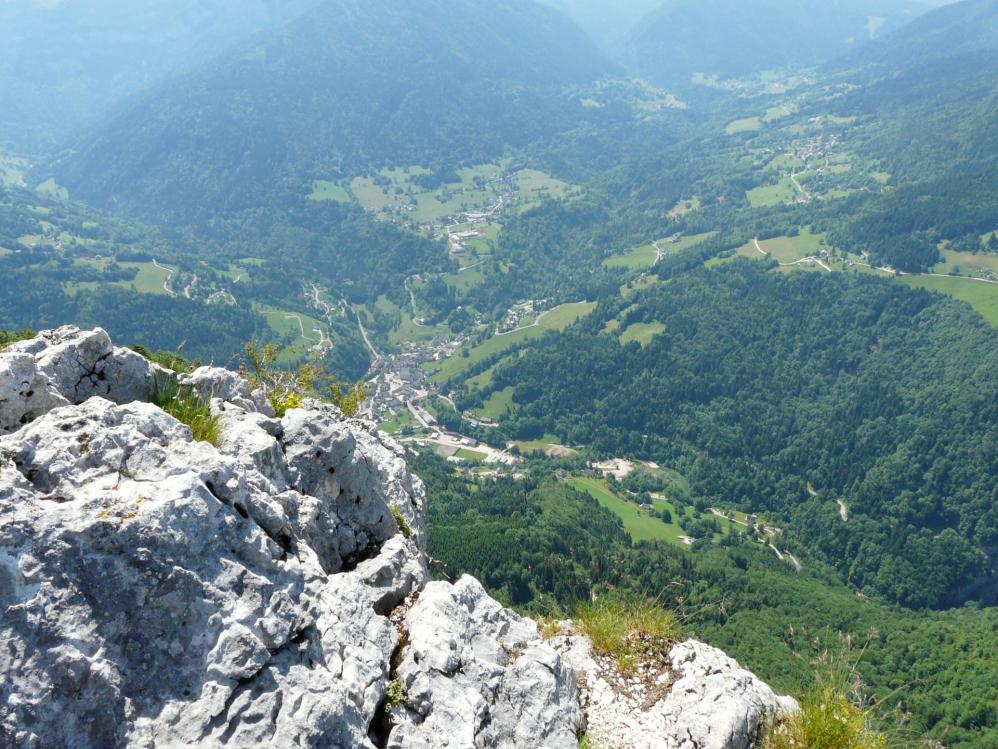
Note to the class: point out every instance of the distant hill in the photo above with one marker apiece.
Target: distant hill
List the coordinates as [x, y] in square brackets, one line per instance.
[736, 38]
[606, 21]
[955, 30]
[350, 85]
[928, 93]
[65, 62]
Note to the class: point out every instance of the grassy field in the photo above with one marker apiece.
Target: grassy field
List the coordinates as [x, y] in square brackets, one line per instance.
[285, 324]
[968, 263]
[464, 281]
[51, 189]
[395, 192]
[683, 207]
[472, 456]
[484, 379]
[534, 184]
[148, 280]
[785, 249]
[767, 195]
[642, 332]
[323, 190]
[543, 445]
[499, 404]
[558, 318]
[640, 525]
[783, 162]
[398, 423]
[12, 170]
[983, 297]
[640, 257]
[744, 125]
[779, 112]
[644, 256]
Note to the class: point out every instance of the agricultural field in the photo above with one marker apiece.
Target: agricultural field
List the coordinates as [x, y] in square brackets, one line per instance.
[769, 195]
[498, 406]
[968, 264]
[642, 332]
[786, 249]
[683, 207]
[464, 281]
[12, 171]
[51, 189]
[548, 445]
[744, 125]
[779, 112]
[301, 330]
[639, 524]
[395, 193]
[645, 255]
[323, 190]
[640, 257]
[980, 295]
[533, 184]
[150, 279]
[398, 422]
[478, 247]
[558, 318]
[484, 379]
[471, 456]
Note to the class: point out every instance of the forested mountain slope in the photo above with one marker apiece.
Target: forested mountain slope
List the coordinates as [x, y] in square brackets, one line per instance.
[734, 38]
[65, 62]
[785, 395]
[349, 86]
[542, 545]
[928, 94]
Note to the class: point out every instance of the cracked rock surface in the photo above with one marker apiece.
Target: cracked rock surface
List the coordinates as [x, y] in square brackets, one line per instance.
[161, 592]
[703, 700]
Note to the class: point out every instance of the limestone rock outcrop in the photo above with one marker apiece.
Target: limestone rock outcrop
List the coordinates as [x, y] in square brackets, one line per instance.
[699, 699]
[270, 591]
[161, 592]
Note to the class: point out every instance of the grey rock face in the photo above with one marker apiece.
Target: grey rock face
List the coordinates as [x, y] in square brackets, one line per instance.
[160, 592]
[481, 676]
[76, 365]
[704, 701]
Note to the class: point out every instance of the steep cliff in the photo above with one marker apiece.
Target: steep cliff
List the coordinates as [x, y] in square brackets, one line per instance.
[272, 590]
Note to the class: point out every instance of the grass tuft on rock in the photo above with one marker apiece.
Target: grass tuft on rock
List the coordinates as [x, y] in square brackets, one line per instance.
[629, 629]
[8, 337]
[188, 407]
[827, 720]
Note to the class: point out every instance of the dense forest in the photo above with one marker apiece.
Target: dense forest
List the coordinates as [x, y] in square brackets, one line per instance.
[544, 547]
[761, 385]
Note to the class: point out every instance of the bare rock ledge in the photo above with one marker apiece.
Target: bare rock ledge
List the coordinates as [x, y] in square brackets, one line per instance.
[160, 592]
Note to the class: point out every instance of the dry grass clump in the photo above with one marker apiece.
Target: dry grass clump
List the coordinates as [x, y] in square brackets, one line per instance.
[629, 629]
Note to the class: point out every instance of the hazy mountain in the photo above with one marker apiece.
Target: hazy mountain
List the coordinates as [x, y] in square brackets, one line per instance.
[606, 21]
[734, 38]
[352, 84]
[63, 62]
[928, 93]
[958, 29]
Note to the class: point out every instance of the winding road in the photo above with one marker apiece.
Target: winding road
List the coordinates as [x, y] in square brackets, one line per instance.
[169, 275]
